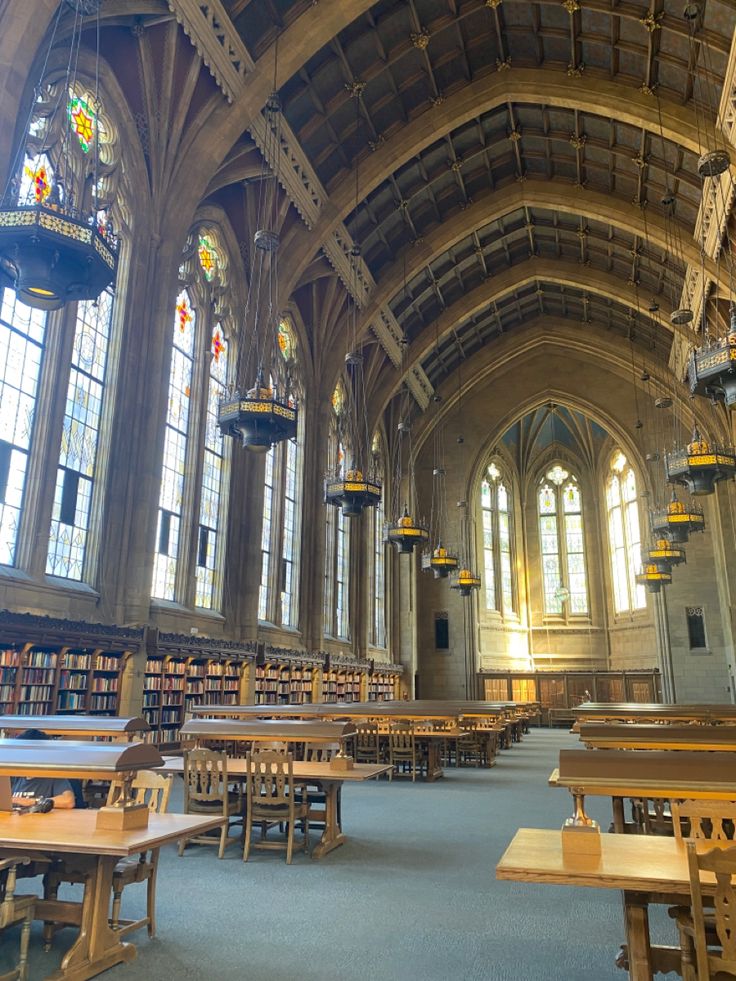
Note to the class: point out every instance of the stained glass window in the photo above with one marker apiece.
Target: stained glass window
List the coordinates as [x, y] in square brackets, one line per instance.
[496, 525]
[82, 120]
[70, 515]
[562, 543]
[338, 399]
[263, 593]
[290, 551]
[176, 435]
[36, 180]
[208, 566]
[208, 259]
[624, 535]
[342, 579]
[378, 584]
[286, 340]
[22, 333]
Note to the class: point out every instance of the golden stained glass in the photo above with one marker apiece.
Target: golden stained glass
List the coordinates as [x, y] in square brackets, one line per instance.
[82, 119]
[207, 257]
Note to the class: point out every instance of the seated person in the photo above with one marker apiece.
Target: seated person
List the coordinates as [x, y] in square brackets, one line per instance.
[27, 790]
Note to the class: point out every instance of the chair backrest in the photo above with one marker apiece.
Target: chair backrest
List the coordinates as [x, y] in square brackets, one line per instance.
[320, 752]
[401, 735]
[270, 776]
[205, 777]
[721, 862]
[712, 819]
[366, 735]
[149, 788]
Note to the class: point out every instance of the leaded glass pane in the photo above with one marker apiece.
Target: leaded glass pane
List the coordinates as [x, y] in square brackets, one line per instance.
[79, 436]
[176, 435]
[289, 552]
[21, 352]
[624, 535]
[208, 565]
[379, 577]
[264, 591]
[489, 581]
[343, 576]
[547, 502]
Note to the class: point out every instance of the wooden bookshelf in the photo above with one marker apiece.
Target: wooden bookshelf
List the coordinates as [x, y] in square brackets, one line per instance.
[383, 686]
[342, 685]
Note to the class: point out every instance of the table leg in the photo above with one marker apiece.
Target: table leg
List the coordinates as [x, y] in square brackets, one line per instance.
[619, 817]
[434, 760]
[332, 836]
[636, 919]
[97, 947]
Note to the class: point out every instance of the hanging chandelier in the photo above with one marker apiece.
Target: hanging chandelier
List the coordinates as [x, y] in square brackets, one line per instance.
[258, 414]
[406, 533]
[653, 577]
[441, 562]
[352, 493]
[54, 250]
[664, 554]
[438, 559]
[711, 370]
[700, 465]
[677, 521]
[466, 582]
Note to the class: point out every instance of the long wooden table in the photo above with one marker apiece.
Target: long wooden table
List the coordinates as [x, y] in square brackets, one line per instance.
[321, 774]
[93, 853]
[652, 775]
[409, 711]
[697, 713]
[646, 869]
[78, 726]
[645, 736]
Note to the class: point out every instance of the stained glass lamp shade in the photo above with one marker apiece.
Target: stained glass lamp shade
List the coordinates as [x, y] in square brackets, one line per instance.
[466, 582]
[664, 555]
[405, 534]
[258, 418]
[711, 370]
[51, 252]
[653, 577]
[442, 562]
[677, 521]
[353, 493]
[700, 465]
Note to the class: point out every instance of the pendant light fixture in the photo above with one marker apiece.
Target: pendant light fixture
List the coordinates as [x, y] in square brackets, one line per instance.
[653, 577]
[700, 465]
[56, 245]
[356, 487]
[404, 531]
[466, 581]
[438, 559]
[255, 411]
[664, 554]
[677, 521]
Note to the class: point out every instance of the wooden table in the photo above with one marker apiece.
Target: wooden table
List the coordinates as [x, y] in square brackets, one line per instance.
[646, 869]
[78, 726]
[674, 736]
[95, 854]
[322, 774]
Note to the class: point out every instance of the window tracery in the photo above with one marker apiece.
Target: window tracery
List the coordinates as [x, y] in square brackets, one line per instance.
[624, 534]
[562, 543]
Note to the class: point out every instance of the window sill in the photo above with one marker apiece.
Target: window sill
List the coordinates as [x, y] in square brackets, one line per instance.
[49, 583]
[186, 612]
[700, 651]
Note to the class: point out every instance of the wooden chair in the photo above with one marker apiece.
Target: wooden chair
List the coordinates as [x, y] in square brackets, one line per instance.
[271, 799]
[472, 748]
[713, 930]
[16, 909]
[404, 756]
[152, 789]
[697, 820]
[207, 791]
[367, 746]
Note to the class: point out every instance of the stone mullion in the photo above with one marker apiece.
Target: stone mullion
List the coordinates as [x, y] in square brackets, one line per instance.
[242, 574]
[312, 554]
[194, 460]
[43, 462]
[134, 473]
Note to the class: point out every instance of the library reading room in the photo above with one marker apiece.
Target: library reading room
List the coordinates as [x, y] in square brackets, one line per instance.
[367, 490]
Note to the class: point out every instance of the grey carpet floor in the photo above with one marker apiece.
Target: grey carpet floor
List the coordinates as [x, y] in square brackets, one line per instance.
[412, 895]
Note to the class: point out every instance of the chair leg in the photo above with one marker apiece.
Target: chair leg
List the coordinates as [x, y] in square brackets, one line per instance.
[50, 891]
[223, 839]
[117, 898]
[25, 936]
[151, 903]
[289, 842]
[247, 829]
[182, 846]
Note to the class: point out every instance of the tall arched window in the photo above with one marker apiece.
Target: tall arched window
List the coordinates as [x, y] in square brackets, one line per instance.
[189, 548]
[56, 164]
[176, 439]
[278, 598]
[337, 538]
[496, 523]
[377, 583]
[624, 534]
[562, 543]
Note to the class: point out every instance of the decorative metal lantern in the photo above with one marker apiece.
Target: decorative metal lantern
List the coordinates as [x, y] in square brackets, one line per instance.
[405, 534]
[258, 418]
[677, 521]
[700, 465]
[466, 582]
[653, 578]
[664, 555]
[440, 562]
[711, 370]
[352, 493]
[53, 256]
